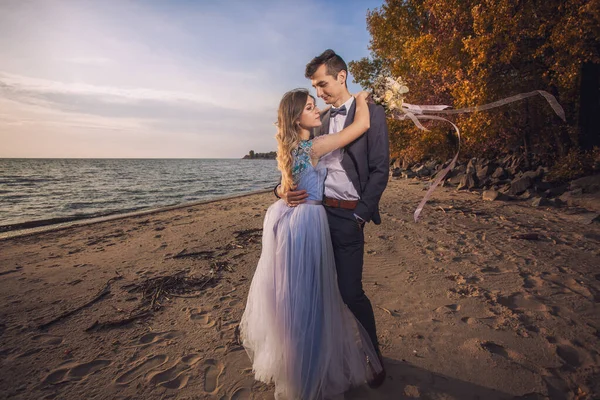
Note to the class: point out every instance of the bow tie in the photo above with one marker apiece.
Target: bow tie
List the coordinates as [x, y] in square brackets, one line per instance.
[338, 111]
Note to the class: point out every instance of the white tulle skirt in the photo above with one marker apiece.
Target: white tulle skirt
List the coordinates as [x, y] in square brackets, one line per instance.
[296, 329]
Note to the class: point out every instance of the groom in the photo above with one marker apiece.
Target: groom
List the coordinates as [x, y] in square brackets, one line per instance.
[356, 177]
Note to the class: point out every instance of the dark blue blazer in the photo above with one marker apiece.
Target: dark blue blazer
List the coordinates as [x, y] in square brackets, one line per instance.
[366, 160]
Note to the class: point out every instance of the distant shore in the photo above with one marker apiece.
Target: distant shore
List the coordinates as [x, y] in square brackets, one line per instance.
[260, 156]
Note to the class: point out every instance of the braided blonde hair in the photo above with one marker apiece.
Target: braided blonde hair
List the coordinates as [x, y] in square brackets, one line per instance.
[290, 109]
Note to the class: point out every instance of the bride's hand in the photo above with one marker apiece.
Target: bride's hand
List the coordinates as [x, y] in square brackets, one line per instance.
[363, 95]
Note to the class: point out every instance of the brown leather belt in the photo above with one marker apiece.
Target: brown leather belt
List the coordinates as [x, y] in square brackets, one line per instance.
[346, 204]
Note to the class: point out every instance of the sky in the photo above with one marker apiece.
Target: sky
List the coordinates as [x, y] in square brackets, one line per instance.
[158, 78]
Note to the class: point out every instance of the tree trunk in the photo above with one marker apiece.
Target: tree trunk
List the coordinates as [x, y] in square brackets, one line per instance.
[589, 107]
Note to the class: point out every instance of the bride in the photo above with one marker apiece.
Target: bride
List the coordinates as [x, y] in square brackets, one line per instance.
[296, 329]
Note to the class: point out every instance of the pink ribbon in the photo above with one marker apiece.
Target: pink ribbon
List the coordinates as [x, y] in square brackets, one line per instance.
[423, 112]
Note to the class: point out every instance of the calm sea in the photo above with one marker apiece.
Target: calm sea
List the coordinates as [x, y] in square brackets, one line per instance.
[65, 189]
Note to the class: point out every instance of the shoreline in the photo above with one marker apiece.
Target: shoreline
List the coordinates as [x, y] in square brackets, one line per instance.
[69, 222]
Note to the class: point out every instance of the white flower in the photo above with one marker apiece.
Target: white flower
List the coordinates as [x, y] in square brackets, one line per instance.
[388, 96]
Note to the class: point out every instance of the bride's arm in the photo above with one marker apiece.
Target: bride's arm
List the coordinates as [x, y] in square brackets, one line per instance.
[327, 143]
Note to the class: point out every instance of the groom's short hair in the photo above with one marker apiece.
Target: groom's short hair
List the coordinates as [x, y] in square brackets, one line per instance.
[331, 60]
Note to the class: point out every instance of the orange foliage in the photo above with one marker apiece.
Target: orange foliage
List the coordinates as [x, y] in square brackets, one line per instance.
[465, 52]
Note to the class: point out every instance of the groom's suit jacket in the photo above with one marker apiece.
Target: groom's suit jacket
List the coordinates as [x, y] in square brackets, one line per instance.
[366, 160]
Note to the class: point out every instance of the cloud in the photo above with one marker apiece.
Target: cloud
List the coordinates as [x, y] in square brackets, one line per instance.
[100, 61]
[182, 71]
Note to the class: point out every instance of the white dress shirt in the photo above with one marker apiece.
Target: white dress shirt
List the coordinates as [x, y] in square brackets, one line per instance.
[337, 184]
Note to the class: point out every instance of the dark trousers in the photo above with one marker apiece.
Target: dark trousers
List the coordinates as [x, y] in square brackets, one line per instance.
[348, 247]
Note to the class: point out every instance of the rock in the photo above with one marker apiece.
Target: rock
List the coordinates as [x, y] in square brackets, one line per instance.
[556, 202]
[514, 165]
[556, 191]
[499, 173]
[456, 174]
[526, 195]
[539, 202]
[490, 195]
[484, 181]
[455, 179]
[588, 184]
[422, 171]
[567, 197]
[468, 181]
[542, 187]
[460, 168]
[432, 165]
[396, 172]
[519, 185]
[576, 192]
[534, 175]
[483, 171]
[408, 174]
[504, 188]
[471, 165]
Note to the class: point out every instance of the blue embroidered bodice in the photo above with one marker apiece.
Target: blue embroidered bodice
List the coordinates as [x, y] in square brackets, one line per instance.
[301, 156]
[307, 177]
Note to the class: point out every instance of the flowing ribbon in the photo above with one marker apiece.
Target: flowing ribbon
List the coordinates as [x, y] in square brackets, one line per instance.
[423, 112]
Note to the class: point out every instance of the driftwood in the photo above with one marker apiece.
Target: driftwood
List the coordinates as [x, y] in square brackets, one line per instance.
[100, 295]
[244, 238]
[10, 271]
[154, 291]
[199, 254]
[98, 326]
[528, 236]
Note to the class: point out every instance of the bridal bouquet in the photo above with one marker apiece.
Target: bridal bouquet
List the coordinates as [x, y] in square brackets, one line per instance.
[390, 91]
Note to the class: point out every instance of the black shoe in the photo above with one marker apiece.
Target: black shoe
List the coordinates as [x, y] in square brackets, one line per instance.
[378, 378]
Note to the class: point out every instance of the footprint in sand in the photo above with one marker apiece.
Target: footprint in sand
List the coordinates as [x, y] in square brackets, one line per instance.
[203, 317]
[176, 376]
[569, 284]
[228, 325]
[495, 348]
[448, 309]
[521, 302]
[47, 340]
[27, 353]
[569, 355]
[143, 367]
[152, 338]
[531, 281]
[229, 300]
[241, 394]
[44, 341]
[573, 354]
[75, 371]
[212, 371]
[490, 270]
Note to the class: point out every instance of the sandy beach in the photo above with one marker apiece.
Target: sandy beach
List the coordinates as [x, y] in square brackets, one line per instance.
[479, 300]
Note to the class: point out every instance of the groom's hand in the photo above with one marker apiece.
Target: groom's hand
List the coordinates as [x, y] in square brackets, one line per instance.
[293, 197]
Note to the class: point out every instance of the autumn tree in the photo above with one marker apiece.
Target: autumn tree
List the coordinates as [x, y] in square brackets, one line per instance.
[464, 53]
